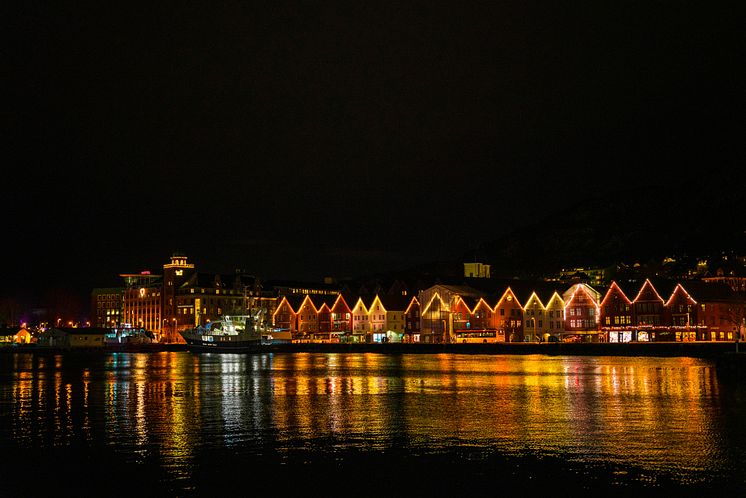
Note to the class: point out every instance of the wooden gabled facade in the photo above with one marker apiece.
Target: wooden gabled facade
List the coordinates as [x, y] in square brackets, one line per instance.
[412, 321]
[556, 316]
[648, 314]
[481, 316]
[508, 318]
[341, 319]
[616, 315]
[394, 306]
[681, 315]
[582, 313]
[360, 322]
[535, 323]
[720, 311]
[307, 316]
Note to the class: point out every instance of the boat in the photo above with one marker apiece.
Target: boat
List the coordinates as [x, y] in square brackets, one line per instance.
[231, 333]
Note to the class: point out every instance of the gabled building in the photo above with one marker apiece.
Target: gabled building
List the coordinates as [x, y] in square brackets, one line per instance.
[307, 317]
[394, 307]
[15, 335]
[616, 316]
[285, 315]
[360, 321]
[648, 314]
[481, 316]
[508, 317]
[412, 320]
[439, 302]
[341, 319]
[376, 319]
[681, 315]
[462, 314]
[556, 316]
[324, 304]
[582, 313]
[536, 322]
[325, 321]
[721, 311]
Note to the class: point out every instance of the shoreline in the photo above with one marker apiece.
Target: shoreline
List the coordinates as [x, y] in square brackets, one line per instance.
[654, 349]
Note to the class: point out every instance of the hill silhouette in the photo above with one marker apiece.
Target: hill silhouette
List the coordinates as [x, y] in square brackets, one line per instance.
[632, 225]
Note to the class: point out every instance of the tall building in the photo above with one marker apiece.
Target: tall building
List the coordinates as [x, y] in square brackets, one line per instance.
[107, 307]
[142, 302]
[181, 297]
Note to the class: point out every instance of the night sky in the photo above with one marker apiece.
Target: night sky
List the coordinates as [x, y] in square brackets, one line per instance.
[338, 138]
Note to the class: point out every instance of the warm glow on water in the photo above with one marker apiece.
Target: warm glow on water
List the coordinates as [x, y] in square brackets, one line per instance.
[623, 421]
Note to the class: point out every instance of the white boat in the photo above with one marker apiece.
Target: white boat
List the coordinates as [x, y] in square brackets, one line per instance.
[232, 333]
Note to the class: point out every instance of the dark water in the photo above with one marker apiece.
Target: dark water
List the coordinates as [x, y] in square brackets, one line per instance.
[181, 424]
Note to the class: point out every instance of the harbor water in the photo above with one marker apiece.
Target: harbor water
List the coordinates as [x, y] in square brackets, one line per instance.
[367, 424]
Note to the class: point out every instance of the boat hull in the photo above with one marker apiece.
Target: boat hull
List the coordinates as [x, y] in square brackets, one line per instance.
[201, 346]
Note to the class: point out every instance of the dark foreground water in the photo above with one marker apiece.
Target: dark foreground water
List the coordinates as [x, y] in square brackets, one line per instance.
[308, 424]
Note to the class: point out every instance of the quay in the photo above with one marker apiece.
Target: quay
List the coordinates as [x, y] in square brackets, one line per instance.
[689, 349]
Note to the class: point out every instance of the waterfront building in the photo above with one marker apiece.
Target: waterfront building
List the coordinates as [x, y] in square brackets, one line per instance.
[307, 317]
[477, 326]
[720, 311]
[539, 321]
[107, 307]
[341, 319]
[436, 323]
[412, 320]
[462, 314]
[360, 321]
[648, 312]
[73, 338]
[616, 316]
[323, 303]
[141, 302]
[376, 319]
[481, 316]
[15, 335]
[393, 308]
[181, 297]
[582, 313]
[284, 317]
[681, 316]
[508, 317]
[556, 316]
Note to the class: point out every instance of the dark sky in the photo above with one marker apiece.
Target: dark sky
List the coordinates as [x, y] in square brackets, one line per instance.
[333, 138]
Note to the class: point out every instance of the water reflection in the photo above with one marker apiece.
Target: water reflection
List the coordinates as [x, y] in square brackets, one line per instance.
[176, 411]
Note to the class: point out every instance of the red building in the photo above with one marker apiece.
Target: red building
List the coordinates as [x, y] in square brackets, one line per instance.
[720, 311]
[649, 315]
[616, 316]
[507, 318]
[285, 315]
[341, 319]
[681, 316]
